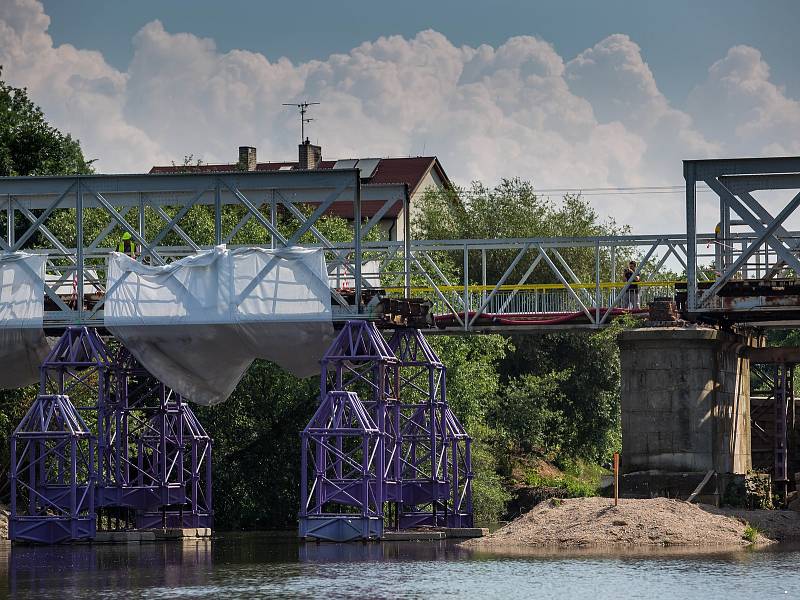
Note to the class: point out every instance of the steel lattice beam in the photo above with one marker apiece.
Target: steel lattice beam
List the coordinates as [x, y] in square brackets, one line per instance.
[475, 285]
[734, 180]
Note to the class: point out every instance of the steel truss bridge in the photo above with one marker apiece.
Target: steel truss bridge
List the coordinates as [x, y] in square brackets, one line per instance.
[744, 270]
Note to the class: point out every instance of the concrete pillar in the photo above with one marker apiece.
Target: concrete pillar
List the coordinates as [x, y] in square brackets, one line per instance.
[685, 401]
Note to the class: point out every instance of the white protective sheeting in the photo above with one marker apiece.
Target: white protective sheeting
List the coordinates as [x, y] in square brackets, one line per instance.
[23, 345]
[199, 322]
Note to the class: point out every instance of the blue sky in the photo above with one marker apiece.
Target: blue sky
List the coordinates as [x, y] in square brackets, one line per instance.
[679, 38]
[565, 94]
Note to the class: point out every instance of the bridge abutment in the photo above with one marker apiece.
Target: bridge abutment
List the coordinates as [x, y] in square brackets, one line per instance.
[685, 407]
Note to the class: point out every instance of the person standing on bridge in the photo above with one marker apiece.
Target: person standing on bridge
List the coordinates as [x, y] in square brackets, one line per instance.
[632, 295]
[126, 245]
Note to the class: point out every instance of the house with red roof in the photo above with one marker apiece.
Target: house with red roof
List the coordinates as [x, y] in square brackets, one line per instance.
[418, 174]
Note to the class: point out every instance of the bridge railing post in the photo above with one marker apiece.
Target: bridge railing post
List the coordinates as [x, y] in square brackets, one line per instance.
[466, 288]
[597, 276]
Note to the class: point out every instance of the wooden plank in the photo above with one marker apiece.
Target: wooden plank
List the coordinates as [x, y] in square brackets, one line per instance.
[701, 486]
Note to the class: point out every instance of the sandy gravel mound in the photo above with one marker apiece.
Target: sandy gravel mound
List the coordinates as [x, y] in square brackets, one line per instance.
[585, 522]
[780, 525]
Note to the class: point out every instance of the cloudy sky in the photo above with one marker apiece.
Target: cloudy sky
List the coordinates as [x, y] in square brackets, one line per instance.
[565, 94]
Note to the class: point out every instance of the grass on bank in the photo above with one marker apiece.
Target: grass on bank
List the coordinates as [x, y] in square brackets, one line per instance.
[578, 479]
[751, 533]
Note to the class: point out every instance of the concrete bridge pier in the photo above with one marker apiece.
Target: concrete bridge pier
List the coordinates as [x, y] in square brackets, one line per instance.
[685, 411]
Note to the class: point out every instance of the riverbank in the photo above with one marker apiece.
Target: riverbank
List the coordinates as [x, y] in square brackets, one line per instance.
[778, 525]
[592, 522]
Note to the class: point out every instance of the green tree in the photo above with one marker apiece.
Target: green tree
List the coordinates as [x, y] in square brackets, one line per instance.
[473, 387]
[557, 394]
[512, 209]
[257, 447]
[533, 410]
[473, 378]
[562, 396]
[29, 145]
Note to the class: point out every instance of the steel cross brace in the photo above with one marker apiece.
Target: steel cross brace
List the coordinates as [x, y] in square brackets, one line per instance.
[765, 235]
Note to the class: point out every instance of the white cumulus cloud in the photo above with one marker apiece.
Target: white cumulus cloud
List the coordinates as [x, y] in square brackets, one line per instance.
[78, 90]
[519, 109]
[743, 110]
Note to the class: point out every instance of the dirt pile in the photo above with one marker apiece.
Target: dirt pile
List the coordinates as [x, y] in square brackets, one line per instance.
[585, 522]
[779, 525]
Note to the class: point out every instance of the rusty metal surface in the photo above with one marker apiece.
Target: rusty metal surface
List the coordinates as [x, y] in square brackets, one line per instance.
[750, 301]
[780, 355]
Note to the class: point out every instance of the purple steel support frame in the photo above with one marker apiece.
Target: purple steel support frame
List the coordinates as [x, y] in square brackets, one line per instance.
[421, 459]
[432, 453]
[80, 365]
[360, 363]
[167, 482]
[55, 449]
[340, 446]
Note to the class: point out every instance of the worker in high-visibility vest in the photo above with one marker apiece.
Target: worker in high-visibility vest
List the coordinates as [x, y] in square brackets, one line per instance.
[126, 245]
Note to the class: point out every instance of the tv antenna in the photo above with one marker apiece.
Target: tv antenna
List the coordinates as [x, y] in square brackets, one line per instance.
[303, 108]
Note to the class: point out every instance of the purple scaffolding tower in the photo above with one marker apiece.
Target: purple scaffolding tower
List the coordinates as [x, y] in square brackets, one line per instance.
[148, 460]
[431, 460]
[343, 462]
[383, 436]
[52, 474]
[164, 469]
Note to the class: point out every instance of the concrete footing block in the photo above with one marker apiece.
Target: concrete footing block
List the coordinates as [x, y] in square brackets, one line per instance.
[407, 536]
[151, 535]
[466, 532]
[182, 533]
[117, 537]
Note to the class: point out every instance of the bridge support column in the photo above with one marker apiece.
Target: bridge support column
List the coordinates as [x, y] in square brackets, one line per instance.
[685, 409]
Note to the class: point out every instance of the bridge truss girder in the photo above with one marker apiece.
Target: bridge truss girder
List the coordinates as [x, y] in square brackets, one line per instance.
[280, 208]
[475, 285]
[482, 285]
[734, 181]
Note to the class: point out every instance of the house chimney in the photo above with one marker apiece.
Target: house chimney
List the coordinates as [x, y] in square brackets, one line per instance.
[310, 155]
[247, 158]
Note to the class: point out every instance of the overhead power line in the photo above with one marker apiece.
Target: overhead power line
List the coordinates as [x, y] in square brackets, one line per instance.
[605, 191]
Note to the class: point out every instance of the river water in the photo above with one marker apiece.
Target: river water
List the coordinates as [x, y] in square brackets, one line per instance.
[259, 566]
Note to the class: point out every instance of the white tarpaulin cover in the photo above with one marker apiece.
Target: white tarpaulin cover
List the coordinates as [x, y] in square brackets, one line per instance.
[199, 322]
[23, 345]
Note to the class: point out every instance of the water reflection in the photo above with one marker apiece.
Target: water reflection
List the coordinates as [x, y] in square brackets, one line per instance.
[113, 568]
[419, 551]
[257, 565]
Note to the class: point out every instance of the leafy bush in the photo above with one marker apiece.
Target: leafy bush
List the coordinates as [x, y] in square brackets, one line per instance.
[751, 533]
[489, 493]
[758, 491]
[573, 379]
[532, 411]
